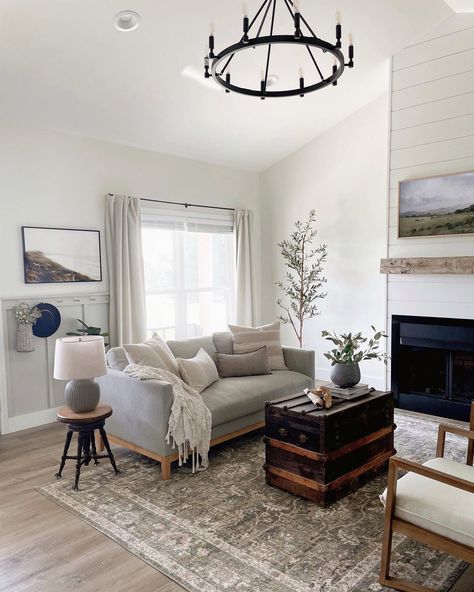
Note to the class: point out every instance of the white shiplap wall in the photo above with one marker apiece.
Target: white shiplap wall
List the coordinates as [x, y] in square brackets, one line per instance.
[432, 133]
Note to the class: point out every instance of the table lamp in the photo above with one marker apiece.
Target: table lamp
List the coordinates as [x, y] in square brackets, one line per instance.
[80, 360]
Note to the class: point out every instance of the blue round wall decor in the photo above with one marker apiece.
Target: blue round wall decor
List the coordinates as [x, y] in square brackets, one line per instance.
[49, 321]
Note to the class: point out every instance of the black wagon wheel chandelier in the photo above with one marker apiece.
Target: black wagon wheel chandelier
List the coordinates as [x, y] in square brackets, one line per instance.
[216, 66]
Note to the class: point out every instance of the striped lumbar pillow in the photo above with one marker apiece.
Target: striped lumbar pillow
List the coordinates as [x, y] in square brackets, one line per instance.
[249, 339]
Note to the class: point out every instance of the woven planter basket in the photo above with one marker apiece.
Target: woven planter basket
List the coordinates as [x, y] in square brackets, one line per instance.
[24, 338]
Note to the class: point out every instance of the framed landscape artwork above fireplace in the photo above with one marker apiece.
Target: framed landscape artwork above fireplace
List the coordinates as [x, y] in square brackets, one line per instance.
[436, 206]
[61, 255]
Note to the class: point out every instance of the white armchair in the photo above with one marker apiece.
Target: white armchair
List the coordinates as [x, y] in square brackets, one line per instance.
[432, 503]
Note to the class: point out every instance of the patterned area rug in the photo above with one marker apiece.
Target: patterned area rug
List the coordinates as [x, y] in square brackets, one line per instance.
[226, 530]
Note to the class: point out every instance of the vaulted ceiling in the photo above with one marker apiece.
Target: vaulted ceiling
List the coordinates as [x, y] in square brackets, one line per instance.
[63, 65]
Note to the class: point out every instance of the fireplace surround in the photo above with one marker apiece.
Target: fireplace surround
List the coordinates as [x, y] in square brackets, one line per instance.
[432, 367]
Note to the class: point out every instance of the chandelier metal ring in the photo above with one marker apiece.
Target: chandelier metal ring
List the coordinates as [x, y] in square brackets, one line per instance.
[277, 40]
[217, 66]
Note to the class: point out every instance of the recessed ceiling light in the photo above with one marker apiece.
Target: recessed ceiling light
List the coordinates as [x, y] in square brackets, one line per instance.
[127, 20]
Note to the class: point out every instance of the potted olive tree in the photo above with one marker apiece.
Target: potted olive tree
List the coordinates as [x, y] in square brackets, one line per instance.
[349, 350]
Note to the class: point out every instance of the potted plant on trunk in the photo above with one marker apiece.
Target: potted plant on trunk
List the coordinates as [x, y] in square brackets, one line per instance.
[349, 351]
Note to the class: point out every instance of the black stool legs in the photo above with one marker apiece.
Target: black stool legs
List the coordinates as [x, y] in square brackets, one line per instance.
[86, 449]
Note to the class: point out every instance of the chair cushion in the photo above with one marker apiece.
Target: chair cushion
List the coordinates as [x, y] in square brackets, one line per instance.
[198, 372]
[231, 398]
[188, 348]
[248, 339]
[437, 507]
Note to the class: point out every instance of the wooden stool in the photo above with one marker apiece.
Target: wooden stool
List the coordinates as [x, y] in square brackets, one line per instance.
[85, 425]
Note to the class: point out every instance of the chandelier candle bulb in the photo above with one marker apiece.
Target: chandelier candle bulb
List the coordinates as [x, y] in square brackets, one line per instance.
[351, 53]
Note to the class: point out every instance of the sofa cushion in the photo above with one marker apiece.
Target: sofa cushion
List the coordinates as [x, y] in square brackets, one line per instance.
[231, 398]
[247, 339]
[437, 507]
[153, 352]
[188, 348]
[223, 342]
[251, 364]
[198, 372]
[117, 359]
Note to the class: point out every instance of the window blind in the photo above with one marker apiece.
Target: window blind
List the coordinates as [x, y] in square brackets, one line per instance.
[192, 219]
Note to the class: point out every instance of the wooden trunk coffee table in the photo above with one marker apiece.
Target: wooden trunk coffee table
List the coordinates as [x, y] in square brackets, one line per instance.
[323, 455]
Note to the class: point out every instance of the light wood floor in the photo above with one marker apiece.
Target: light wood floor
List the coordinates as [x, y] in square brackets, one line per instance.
[44, 548]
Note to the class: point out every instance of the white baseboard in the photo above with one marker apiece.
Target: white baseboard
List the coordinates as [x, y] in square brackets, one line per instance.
[30, 420]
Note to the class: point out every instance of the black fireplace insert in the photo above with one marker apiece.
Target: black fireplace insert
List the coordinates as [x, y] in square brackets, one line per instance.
[433, 365]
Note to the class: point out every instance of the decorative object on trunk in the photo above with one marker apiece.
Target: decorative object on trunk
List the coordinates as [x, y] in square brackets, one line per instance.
[88, 330]
[61, 255]
[26, 317]
[436, 206]
[49, 322]
[304, 279]
[320, 396]
[349, 351]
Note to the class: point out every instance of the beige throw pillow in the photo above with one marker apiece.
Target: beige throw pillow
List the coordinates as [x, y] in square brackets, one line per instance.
[153, 352]
[198, 372]
[251, 364]
[249, 339]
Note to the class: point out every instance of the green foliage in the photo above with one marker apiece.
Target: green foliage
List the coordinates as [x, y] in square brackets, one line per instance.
[304, 281]
[87, 330]
[351, 349]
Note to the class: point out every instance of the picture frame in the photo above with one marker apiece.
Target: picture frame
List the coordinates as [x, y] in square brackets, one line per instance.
[436, 206]
[54, 255]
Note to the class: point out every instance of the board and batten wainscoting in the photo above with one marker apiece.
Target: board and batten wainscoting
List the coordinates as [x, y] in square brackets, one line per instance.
[432, 133]
[30, 395]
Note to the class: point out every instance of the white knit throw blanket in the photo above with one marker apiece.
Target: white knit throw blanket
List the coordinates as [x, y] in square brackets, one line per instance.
[190, 422]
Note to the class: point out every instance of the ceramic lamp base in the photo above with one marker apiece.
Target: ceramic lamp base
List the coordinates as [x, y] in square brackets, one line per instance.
[82, 395]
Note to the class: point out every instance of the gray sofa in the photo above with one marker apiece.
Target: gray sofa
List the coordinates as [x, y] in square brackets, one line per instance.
[142, 408]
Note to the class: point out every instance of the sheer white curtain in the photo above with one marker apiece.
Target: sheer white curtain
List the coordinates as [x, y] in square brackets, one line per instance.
[189, 256]
[245, 281]
[123, 239]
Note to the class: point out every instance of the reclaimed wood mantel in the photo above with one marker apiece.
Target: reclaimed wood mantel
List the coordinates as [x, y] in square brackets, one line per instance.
[428, 265]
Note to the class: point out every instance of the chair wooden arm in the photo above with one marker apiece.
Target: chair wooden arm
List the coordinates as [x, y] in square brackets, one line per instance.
[443, 429]
[446, 478]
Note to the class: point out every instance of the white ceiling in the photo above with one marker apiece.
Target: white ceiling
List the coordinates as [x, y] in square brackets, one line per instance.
[461, 5]
[63, 65]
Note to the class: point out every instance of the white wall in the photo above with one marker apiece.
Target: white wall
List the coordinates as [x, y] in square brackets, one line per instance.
[343, 176]
[56, 179]
[432, 133]
[50, 178]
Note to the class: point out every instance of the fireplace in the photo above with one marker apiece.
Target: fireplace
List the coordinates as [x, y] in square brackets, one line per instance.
[433, 365]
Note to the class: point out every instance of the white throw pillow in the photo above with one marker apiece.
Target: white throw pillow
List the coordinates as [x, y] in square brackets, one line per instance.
[249, 339]
[153, 352]
[198, 372]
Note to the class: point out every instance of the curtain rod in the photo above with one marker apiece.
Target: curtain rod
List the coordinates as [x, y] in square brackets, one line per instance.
[180, 203]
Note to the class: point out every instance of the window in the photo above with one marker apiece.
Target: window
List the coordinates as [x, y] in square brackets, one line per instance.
[189, 260]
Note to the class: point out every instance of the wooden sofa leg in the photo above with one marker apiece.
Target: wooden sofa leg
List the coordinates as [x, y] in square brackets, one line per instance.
[165, 469]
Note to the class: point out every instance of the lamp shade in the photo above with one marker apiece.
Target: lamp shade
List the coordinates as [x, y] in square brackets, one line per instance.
[79, 358]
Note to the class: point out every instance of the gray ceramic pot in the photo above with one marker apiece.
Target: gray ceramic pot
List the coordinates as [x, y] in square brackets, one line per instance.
[345, 375]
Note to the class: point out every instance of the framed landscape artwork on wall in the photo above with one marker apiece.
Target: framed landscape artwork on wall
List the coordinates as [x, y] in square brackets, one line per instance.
[61, 255]
[436, 206]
